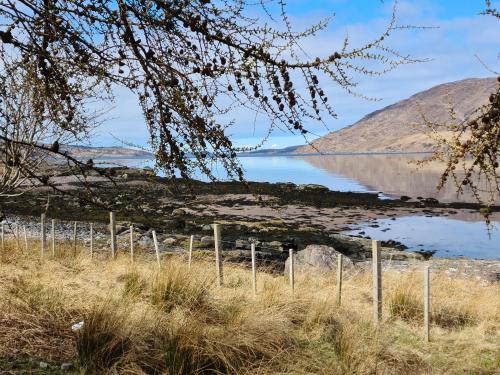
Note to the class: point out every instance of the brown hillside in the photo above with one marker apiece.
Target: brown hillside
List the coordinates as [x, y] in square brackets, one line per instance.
[398, 127]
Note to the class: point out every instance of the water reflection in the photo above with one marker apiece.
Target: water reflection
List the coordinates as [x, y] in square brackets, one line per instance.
[394, 175]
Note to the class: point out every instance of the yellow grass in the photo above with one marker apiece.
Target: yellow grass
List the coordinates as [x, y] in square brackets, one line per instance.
[138, 320]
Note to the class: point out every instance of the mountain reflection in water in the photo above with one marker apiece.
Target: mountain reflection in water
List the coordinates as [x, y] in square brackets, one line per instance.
[394, 175]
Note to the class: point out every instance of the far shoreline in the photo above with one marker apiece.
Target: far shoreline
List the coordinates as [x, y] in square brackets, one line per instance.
[367, 153]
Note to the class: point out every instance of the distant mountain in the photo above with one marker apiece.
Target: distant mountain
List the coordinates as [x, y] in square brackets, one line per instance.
[399, 127]
[105, 152]
[272, 151]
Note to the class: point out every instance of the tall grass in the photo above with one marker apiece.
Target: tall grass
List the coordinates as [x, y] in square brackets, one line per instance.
[141, 320]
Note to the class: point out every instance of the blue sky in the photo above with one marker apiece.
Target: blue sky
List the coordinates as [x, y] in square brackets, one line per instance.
[461, 33]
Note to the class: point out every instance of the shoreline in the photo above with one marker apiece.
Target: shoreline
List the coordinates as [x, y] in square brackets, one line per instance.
[310, 214]
[271, 153]
[271, 255]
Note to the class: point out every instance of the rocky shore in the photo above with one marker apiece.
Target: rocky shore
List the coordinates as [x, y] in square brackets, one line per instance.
[272, 255]
[276, 217]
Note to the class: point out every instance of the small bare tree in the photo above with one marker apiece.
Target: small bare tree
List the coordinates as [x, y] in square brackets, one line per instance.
[31, 137]
[472, 152]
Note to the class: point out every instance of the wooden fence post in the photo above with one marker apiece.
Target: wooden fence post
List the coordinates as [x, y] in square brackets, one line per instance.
[339, 279]
[132, 243]
[292, 270]
[43, 236]
[74, 238]
[17, 237]
[53, 235]
[254, 269]
[91, 241]
[156, 249]
[112, 230]
[377, 282]
[218, 255]
[190, 253]
[25, 238]
[426, 303]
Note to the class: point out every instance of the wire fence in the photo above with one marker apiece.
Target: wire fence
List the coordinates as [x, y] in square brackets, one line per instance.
[407, 302]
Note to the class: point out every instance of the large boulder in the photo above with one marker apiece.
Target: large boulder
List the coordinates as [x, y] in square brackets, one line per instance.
[317, 259]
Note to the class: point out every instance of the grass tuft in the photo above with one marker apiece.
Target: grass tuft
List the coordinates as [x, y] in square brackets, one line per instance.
[176, 286]
[133, 285]
[103, 342]
[404, 304]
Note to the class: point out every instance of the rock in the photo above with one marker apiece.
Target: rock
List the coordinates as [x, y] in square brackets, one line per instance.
[405, 198]
[140, 227]
[394, 244]
[316, 187]
[145, 241]
[427, 254]
[242, 244]
[492, 277]
[207, 241]
[317, 258]
[430, 201]
[169, 241]
[206, 227]
[125, 176]
[179, 212]
[275, 245]
[66, 366]
[121, 228]
[43, 364]
[351, 246]
[402, 255]
[148, 171]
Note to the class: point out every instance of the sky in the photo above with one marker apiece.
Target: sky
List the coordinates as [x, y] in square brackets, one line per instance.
[455, 34]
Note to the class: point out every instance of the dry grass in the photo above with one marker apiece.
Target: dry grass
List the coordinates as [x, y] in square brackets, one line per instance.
[141, 321]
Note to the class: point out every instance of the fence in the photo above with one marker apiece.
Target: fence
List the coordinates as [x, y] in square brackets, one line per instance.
[377, 295]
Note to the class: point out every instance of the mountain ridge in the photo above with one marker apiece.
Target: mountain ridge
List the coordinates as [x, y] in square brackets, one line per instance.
[398, 127]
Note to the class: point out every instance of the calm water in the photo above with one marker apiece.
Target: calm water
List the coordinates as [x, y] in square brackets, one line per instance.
[446, 236]
[391, 176]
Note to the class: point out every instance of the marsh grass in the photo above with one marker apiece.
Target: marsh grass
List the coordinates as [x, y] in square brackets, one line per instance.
[141, 320]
